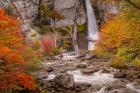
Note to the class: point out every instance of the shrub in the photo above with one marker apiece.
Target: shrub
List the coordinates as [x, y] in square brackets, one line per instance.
[48, 45]
[36, 45]
[136, 63]
[81, 28]
[126, 53]
[56, 51]
[119, 62]
[32, 59]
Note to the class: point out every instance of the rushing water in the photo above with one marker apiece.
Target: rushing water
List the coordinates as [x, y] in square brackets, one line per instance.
[134, 88]
[93, 34]
[98, 78]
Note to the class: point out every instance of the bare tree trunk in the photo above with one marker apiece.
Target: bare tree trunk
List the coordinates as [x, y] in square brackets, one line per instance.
[74, 37]
[55, 36]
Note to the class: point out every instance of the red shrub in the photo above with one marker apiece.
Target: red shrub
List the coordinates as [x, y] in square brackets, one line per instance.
[47, 45]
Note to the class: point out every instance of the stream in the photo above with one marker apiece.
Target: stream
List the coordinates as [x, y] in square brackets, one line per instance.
[67, 73]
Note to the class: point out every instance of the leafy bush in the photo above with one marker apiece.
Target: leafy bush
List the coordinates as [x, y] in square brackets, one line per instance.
[119, 62]
[81, 28]
[32, 59]
[36, 45]
[136, 63]
[56, 51]
[48, 45]
[126, 53]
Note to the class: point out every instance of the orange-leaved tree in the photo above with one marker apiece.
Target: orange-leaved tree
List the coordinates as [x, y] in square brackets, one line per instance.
[12, 64]
[114, 35]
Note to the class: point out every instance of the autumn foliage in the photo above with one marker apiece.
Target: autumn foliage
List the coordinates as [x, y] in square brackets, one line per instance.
[121, 37]
[47, 44]
[12, 64]
[114, 35]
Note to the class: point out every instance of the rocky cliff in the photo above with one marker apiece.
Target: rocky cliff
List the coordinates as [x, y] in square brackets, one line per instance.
[28, 9]
[67, 8]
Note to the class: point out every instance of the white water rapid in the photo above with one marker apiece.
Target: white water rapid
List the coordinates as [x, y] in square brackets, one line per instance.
[96, 79]
[93, 34]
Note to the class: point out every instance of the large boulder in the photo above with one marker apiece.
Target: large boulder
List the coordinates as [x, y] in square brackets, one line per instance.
[119, 75]
[65, 80]
[90, 70]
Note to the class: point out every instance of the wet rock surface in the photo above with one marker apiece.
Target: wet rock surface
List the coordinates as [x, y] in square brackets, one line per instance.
[119, 75]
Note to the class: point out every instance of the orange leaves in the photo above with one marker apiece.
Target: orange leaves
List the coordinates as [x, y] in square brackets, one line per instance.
[114, 35]
[1, 11]
[9, 31]
[11, 59]
[9, 19]
[26, 81]
[8, 23]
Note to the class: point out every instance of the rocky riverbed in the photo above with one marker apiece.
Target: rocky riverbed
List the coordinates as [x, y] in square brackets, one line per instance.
[70, 73]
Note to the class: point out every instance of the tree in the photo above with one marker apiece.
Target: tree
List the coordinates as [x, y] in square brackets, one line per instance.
[120, 36]
[75, 30]
[13, 67]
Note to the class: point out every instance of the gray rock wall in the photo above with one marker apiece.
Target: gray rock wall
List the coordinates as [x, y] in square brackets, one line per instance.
[66, 8]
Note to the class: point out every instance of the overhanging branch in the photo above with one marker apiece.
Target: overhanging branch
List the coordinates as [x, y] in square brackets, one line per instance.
[133, 4]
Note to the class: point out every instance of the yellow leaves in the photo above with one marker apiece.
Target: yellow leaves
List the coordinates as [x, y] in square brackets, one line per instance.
[119, 62]
[114, 34]
[122, 38]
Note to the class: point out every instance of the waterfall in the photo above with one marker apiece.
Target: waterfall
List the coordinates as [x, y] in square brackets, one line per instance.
[93, 34]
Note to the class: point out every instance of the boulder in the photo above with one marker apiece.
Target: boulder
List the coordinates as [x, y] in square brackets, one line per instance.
[90, 56]
[65, 80]
[42, 75]
[117, 85]
[81, 87]
[119, 75]
[82, 65]
[50, 69]
[90, 70]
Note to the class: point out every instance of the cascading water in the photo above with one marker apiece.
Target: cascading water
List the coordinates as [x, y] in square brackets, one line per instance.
[93, 34]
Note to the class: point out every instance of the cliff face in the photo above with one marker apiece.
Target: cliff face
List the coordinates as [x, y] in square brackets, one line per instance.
[28, 9]
[104, 10]
[67, 8]
[25, 9]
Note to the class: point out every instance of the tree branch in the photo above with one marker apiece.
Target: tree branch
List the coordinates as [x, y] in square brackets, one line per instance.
[133, 4]
[130, 2]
